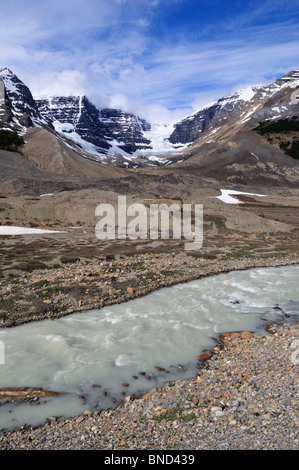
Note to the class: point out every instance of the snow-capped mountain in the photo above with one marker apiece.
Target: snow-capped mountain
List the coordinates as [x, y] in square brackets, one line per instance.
[254, 140]
[102, 131]
[123, 139]
[109, 132]
[189, 129]
[18, 109]
[257, 102]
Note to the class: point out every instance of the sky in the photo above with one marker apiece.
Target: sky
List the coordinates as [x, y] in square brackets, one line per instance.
[161, 59]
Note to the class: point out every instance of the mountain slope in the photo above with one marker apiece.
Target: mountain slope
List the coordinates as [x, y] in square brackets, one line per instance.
[109, 131]
[190, 128]
[109, 135]
[48, 164]
[232, 149]
[18, 109]
[262, 102]
[228, 139]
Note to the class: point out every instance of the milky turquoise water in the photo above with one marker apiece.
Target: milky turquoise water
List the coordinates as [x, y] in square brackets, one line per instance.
[88, 356]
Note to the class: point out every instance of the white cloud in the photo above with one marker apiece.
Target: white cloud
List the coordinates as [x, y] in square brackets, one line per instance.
[105, 50]
[66, 82]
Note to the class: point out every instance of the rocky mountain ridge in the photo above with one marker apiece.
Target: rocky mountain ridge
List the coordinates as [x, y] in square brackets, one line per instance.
[107, 134]
[256, 142]
[108, 130]
[190, 128]
[122, 139]
[257, 102]
[18, 109]
[135, 140]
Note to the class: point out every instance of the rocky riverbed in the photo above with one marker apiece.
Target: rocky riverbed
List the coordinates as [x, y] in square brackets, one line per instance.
[87, 284]
[245, 396]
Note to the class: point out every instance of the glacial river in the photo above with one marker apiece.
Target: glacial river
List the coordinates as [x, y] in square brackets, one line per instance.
[88, 356]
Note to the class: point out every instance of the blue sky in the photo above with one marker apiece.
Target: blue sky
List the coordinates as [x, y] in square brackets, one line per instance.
[162, 59]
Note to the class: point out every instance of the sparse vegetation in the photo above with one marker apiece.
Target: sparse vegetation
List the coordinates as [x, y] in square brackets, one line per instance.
[69, 259]
[176, 413]
[291, 149]
[278, 127]
[10, 141]
[282, 126]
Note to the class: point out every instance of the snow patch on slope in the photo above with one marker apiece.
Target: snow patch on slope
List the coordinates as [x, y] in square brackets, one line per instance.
[11, 230]
[228, 199]
[158, 136]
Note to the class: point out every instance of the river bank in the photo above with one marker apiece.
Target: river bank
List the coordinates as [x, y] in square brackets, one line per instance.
[88, 284]
[180, 415]
[208, 411]
[244, 397]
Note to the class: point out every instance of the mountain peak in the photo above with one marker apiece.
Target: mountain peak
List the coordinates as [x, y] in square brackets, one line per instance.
[106, 132]
[6, 71]
[57, 96]
[20, 108]
[100, 131]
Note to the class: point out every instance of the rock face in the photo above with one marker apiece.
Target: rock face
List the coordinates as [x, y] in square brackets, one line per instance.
[189, 129]
[126, 128]
[3, 109]
[97, 131]
[218, 139]
[251, 137]
[109, 130]
[18, 108]
[259, 103]
[75, 115]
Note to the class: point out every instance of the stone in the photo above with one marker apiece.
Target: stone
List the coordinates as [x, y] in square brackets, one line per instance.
[215, 409]
[130, 398]
[246, 334]
[130, 290]
[205, 356]
[219, 413]
[79, 419]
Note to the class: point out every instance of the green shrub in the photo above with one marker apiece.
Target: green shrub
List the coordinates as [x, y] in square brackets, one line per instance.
[278, 127]
[10, 141]
[282, 126]
[294, 150]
